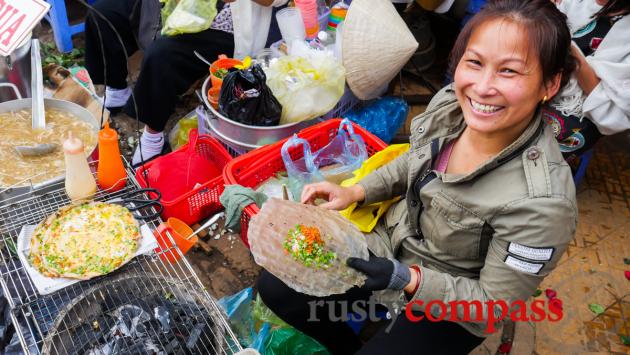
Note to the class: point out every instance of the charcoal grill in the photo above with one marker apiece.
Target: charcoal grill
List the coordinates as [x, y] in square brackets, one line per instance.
[149, 306]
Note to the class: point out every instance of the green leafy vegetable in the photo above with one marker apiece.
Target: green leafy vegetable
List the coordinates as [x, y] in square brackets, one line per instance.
[220, 73]
[596, 308]
[305, 244]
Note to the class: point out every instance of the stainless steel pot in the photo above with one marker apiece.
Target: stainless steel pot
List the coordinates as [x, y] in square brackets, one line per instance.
[66, 106]
[244, 136]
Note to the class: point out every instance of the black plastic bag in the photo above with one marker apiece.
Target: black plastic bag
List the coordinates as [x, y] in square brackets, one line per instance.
[246, 98]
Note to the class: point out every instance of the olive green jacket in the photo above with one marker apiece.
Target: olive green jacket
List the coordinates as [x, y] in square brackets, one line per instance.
[493, 234]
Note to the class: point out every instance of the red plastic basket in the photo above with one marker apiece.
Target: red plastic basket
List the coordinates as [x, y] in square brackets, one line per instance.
[202, 201]
[253, 168]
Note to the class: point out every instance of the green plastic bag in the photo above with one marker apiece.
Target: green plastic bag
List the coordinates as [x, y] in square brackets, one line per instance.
[289, 341]
[187, 16]
[262, 314]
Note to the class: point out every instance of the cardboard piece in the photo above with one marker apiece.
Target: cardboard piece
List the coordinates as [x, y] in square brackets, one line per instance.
[69, 89]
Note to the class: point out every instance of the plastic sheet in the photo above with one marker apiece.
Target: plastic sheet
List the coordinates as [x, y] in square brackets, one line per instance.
[382, 118]
[272, 187]
[268, 230]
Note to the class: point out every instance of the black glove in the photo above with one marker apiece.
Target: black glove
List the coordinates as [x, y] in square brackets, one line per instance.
[382, 273]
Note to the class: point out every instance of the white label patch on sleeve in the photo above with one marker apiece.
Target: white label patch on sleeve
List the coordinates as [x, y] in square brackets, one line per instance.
[524, 266]
[538, 254]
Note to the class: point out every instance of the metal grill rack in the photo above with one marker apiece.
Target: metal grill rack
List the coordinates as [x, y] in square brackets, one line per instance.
[148, 304]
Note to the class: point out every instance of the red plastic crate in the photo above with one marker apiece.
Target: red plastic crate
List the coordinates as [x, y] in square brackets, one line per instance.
[253, 168]
[203, 201]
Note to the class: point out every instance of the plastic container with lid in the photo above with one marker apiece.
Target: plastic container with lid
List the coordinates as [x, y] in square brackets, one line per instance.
[223, 63]
[80, 182]
[111, 171]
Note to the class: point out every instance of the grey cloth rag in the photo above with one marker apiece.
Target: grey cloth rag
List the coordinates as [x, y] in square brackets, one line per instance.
[235, 198]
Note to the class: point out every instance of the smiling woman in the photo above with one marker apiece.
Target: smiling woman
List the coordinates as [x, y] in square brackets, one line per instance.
[489, 204]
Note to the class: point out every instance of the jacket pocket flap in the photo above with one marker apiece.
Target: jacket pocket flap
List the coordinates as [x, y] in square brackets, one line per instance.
[456, 215]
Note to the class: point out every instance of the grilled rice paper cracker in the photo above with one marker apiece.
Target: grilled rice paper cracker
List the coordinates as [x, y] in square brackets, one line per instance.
[84, 241]
[268, 230]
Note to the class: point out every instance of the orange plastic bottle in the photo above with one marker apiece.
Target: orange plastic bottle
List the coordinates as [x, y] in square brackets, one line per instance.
[111, 171]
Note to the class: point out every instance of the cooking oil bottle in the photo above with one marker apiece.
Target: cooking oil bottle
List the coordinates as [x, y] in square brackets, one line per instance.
[80, 182]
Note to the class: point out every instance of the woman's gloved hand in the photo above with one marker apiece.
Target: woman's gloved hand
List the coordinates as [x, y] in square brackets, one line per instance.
[382, 273]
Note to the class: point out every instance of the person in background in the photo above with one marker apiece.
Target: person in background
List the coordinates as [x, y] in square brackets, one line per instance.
[597, 100]
[169, 67]
[455, 236]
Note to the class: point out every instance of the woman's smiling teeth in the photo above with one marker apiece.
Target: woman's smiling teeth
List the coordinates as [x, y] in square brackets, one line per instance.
[479, 107]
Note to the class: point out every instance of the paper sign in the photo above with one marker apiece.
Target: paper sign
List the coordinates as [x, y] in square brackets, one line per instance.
[17, 19]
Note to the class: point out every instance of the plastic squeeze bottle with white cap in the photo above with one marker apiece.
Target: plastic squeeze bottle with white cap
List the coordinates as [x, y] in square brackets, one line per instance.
[80, 183]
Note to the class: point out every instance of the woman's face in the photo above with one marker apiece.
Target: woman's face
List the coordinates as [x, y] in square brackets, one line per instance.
[498, 81]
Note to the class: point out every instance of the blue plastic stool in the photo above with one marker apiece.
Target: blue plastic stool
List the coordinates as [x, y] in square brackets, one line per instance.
[581, 170]
[58, 19]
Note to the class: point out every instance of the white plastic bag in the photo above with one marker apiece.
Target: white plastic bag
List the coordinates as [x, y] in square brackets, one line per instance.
[307, 86]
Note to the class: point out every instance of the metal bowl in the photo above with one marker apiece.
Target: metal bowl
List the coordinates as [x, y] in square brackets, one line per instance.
[66, 106]
[247, 137]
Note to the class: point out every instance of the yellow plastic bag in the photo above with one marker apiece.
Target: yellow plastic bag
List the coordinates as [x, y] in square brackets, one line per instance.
[179, 134]
[187, 16]
[366, 217]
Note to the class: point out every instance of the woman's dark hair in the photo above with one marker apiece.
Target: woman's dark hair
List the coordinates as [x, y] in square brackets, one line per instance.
[614, 8]
[546, 26]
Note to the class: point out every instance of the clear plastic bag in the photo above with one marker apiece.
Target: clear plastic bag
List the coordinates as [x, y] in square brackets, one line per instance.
[335, 162]
[187, 16]
[306, 87]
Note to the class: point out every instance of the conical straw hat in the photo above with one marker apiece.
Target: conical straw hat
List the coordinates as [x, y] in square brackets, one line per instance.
[376, 45]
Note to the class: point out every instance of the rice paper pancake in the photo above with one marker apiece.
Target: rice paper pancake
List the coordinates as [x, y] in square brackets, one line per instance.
[268, 231]
[84, 241]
